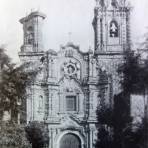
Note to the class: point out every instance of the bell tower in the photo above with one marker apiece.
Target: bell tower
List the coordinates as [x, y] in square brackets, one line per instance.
[32, 28]
[111, 25]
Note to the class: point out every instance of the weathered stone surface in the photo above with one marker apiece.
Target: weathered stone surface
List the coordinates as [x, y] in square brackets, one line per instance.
[72, 83]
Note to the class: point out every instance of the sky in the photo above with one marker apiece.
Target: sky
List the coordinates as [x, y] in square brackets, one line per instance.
[63, 16]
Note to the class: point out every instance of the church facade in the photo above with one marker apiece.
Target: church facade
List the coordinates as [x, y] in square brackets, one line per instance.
[71, 84]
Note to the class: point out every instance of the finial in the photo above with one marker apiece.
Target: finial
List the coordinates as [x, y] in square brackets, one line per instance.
[90, 49]
[114, 3]
[100, 3]
[32, 10]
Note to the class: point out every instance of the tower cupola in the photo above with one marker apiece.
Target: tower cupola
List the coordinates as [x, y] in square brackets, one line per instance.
[33, 32]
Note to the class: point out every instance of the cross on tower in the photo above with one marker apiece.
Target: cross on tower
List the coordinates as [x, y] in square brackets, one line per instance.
[69, 36]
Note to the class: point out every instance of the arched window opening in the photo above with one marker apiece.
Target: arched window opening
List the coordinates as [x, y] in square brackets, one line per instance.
[30, 35]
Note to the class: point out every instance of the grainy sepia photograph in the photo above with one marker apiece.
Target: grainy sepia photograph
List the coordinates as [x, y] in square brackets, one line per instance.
[73, 73]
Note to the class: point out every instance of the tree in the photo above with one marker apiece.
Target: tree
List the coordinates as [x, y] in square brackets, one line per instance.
[122, 121]
[13, 136]
[13, 81]
[114, 124]
[37, 134]
[131, 75]
[135, 81]
[104, 126]
[104, 138]
[4, 59]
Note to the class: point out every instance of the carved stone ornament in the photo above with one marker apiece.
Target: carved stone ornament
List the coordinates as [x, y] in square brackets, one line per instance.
[71, 68]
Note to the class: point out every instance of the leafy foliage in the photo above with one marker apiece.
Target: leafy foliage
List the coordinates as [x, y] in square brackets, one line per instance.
[114, 123]
[122, 121]
[105, 115]
[4, 59]
[135, 81]
[105, 139]
[134, 73]
[37, 134]
[121, 116]
[143, 44]
[118, 118]
[13, 82]
[105, 124]
[137, 137]
[13, 136]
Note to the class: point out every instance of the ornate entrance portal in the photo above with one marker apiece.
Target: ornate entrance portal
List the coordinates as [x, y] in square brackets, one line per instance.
[70, 141]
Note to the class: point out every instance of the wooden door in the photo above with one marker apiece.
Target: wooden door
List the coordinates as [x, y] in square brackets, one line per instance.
[70, 141]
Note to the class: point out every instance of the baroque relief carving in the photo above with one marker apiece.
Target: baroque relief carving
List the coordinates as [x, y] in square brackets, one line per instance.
[71, 69]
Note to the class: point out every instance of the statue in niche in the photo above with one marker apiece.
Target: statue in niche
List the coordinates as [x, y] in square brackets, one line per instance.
[113, 29]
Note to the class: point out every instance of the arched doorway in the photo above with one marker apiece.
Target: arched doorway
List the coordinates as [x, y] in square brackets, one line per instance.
[70, 141]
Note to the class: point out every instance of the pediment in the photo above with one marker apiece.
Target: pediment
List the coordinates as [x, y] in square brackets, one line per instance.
[70, 85]
[71, 50]
[70, 122]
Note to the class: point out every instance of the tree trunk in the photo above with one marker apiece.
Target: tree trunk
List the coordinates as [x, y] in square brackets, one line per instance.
[146, 121]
